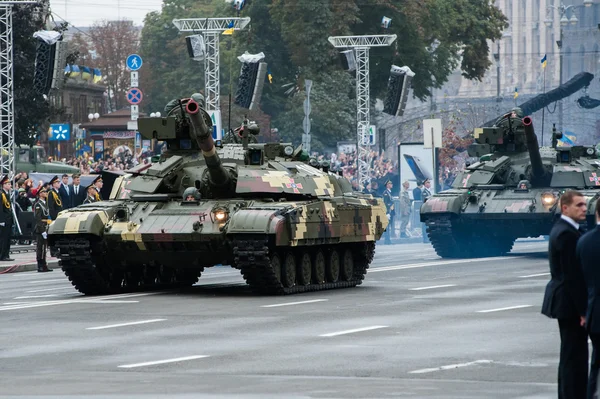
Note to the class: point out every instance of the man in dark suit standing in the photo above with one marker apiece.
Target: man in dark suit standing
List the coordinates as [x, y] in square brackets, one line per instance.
[76, 191]
[63, 191]
[565, 297]
[587, 255]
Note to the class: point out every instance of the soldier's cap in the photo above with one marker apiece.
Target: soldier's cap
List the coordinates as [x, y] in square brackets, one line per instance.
[97, 179]
[55, 178]
[43, 189]
[389, 182]
[4, 179]
[425, 181]
[91, 186]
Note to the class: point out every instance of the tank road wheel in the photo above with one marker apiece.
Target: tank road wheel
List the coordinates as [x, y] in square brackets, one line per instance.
[347, 265]
[333, 267]
[319, 268]
[304, 269]
[288, 275]
[276, 266]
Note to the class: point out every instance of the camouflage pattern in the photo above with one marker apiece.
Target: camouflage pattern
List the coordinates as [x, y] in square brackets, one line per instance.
[252, 197]
[511, 193]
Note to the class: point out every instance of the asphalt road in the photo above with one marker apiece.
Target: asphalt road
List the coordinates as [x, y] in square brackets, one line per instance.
[418, 327]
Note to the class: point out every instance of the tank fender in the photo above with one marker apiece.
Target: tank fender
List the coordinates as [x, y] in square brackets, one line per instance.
[443, 204]
[81, 222]
[259, 221]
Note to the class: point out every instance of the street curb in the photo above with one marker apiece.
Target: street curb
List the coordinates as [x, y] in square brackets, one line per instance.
[28, 267]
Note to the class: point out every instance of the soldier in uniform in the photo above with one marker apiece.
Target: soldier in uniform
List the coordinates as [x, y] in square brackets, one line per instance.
[389, 205]
[41, 215]
[6, 219]
[405, 209]
[98, 183]
[55, 204]
[425, 192]
[92, 194]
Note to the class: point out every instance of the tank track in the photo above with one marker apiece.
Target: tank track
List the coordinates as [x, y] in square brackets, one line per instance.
[78, 262]
[448, 241]
[252, 257]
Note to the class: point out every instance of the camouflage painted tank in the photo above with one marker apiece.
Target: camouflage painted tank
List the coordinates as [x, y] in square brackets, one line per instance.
[512, 192]
[287, 226]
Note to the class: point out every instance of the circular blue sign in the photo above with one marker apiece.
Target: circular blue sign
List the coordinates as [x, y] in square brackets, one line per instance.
[134, 62]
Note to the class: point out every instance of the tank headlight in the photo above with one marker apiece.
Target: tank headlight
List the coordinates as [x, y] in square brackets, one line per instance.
[288, 150]
[548, 199]
[221, 216]
[590, 151]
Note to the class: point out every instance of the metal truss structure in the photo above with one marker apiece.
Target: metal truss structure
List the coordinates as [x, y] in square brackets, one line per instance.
[361, 46]
[7, 117]
[211, 29]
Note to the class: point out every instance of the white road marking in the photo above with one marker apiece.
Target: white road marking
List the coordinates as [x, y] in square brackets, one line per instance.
[335, 334]
[48, 281]
[449, 367]
[178, 359]
[36, 296]
[293, 303]
[535, 275]
[432, 287]
[50, 289]
[507, 308]
[442, 263]
[133, 323]
[103, 299]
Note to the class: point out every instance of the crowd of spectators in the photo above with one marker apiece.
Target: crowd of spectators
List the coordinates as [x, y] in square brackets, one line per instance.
[380, 168]
[122, 161]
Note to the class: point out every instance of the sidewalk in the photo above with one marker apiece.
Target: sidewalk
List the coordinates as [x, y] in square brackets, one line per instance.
[25, 262]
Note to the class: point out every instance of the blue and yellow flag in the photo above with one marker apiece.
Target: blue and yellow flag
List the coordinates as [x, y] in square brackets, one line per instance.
[568, 139]
[97, 75]
[230, 30]
[544, 61]
[269, 76]
[516, 93]
[86, 74]
[75, 71]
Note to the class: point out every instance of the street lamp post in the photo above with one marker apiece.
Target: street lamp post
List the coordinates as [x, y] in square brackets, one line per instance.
[564, 21]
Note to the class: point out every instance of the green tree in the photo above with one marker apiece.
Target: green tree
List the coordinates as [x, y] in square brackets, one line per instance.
[31, 110]
[168, 72]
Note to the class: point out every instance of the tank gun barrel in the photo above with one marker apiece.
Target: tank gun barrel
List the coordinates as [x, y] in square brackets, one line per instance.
[537, 167]
[202, 133]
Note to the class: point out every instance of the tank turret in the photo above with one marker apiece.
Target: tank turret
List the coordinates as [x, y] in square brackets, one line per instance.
[202, 133]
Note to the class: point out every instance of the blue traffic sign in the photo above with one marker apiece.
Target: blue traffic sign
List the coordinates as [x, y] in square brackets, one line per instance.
[134, 96]
[134, 62]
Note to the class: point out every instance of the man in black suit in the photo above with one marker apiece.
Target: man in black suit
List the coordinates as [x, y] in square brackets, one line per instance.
[63, 191]
[76, 191]
[587, 255]
[565, 297]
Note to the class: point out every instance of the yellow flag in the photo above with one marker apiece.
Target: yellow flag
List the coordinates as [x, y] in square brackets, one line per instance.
[228, 31]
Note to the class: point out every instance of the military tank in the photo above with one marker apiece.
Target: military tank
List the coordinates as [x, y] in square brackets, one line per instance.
[512, 192]
[289, 227]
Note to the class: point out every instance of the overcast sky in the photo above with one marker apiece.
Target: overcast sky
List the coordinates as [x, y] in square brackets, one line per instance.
[85, 12]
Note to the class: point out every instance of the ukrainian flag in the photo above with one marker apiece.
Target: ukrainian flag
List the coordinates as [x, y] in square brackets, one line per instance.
[269, 76]
[97, 75]
[516, 93]
[544, 61]
[230, 30]
[86, 74]
[75, 71]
